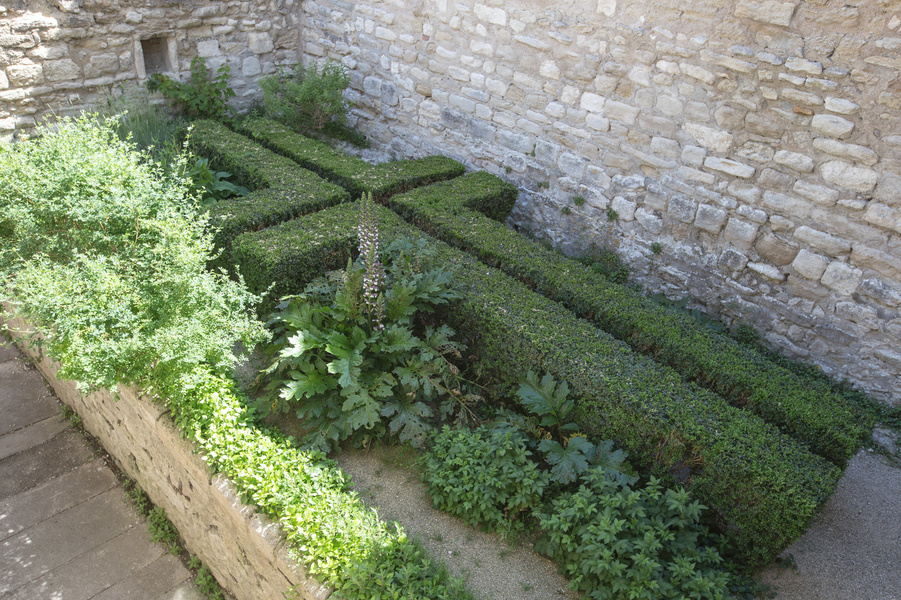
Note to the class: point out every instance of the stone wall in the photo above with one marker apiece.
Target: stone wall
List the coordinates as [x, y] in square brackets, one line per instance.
[244, 550]
[756, 141]
[62, 56]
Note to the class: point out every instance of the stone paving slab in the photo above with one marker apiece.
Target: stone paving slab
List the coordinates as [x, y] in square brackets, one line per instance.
[57, 540]
[44, 501]
[67, 529]
[25, 399]
[162, 576]
[56, 456]
[31, 435]
[7, 351]
[96, 570]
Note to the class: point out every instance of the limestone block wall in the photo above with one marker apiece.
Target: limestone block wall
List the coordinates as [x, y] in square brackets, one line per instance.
[61, 56]
[244, 550]
[756, 141]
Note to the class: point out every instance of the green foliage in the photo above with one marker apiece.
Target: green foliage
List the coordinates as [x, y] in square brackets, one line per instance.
[570, 454]
[616, 543]
[763, 487]
[612, 215]
[282, 191]
[327, 526]
[606, 262]
[578, 200]
[400, 569]
[162, 530]
[146, 124]
[210, 185]
[824, 420]
[566, 210]
[201, 96]
[66, 412]
[353, 174]
[108, 259]
[482, 475]
[206, 583]
[348, 375]
[656, 249]
[307, 97]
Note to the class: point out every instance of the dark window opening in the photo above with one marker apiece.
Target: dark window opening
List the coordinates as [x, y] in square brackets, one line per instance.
[156, 55]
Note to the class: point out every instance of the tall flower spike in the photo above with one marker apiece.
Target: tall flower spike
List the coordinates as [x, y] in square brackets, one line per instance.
[373, 271]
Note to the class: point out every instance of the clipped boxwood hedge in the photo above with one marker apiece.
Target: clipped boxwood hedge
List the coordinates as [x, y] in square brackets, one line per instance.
[353, 174]
[282, 189]
[763, 486]
[829, 424]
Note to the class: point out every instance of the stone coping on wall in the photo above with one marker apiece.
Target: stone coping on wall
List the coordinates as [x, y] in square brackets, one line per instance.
[246, 551]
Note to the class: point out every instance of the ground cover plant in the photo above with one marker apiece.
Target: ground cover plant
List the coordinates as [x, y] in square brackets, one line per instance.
[465, 212]
[108, 260]
[202, 95]
[669, 427]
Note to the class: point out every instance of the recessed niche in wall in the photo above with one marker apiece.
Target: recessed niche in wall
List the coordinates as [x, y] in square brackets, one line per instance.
[155, 55]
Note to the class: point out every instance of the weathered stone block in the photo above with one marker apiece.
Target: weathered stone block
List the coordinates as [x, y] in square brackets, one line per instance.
[767, 11]
[818, 193]
[794, 160]
[858, 313]
[883, 216]
[710, 218]
[841, 106]
[714, 139]
[786, 204]
[624, 208]
[776, 250]
[730, 167]
[491, 14]
[768, 271]
[805, 66]
[741, 233]
[854, 152]
[732, 259]
[592, 102]
[650, 220]
[682, 208]
[810, 264]
[848, 176]
[61, 70]
[23, 75]
[841, 277]
[208, 48]
[620, 112]
[828, 243]
[763, 125]
[832, 125]
[260, 42]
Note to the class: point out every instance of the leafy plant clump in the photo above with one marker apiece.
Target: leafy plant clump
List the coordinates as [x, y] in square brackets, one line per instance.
[353, 358]
[307, 97]
[103, 253]
[619, 543]
[210, 185]
[200, 96]
[483, 475]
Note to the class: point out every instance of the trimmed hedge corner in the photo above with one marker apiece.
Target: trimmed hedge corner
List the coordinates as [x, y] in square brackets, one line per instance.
[763, 487]
[453, 211]
[353, 174]
[283, 190]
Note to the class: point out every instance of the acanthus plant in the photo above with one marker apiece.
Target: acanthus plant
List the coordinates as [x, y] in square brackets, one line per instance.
[354, 356]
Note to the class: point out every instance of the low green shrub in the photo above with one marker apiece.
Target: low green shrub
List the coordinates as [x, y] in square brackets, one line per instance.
[453, 211]
[201, 96]
[762, 486]
[484, 476]
[282, 189]
[307, 97]
[353, 174]
[619, 543]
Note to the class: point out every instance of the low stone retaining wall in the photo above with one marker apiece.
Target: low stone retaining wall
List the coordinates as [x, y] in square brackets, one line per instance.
[244, 550]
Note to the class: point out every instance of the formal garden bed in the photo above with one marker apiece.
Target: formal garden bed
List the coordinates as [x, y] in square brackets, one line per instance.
[649, 455]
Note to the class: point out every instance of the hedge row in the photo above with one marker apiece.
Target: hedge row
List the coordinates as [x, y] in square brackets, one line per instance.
[763, 486]
[353, 174]
[828, 423]
[282, 189]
